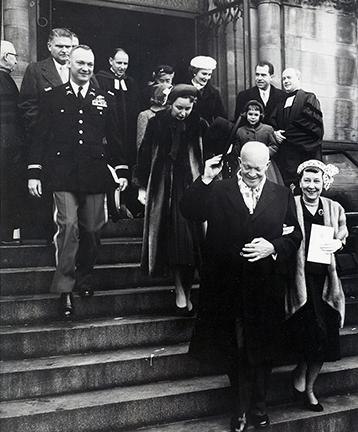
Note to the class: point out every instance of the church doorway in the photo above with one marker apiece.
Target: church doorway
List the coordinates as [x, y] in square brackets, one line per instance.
[150, 39]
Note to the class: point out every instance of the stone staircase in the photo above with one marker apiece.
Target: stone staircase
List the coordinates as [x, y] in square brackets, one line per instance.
[121, 364]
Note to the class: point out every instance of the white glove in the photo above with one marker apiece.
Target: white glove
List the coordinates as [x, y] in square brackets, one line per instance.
[142, 196]
[332, 246]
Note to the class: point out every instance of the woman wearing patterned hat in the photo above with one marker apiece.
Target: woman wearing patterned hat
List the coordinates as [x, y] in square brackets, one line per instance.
[315, 301]
[169, 160]
[210, 104]
[162, 75]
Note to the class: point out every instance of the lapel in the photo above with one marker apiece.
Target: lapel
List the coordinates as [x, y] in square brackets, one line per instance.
[297, 104]
[257, 96]
[272, 98]
[234, 196]
[49, 72]
[267, 196]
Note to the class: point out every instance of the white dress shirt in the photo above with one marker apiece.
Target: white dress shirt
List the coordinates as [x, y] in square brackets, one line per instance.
[63, 71]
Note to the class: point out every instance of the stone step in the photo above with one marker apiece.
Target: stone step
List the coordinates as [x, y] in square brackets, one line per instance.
[340, 415]
[33, 341]
[131, 301]
[57, 338]
[148, 300]
[118, 408]
[132, 366]
[21, 379]
[112, 251]
[37, 280]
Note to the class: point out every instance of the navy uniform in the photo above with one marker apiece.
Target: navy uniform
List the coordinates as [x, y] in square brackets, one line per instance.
[74, 141]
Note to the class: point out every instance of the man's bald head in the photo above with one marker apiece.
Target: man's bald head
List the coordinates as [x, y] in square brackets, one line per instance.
[255, 150]
[8, 56]
[291, 79]
[254, 161]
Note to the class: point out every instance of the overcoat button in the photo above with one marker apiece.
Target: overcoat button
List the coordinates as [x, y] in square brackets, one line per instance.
[58, 153]
[80, 121]
[80, 111]
[80, 141]
[80, 131]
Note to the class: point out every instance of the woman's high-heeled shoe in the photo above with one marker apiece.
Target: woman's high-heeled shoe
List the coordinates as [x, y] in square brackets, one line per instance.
[312, 407]
[239, 424]
[297, 394]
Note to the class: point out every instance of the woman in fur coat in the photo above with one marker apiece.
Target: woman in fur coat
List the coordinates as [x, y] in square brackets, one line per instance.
[170, 158]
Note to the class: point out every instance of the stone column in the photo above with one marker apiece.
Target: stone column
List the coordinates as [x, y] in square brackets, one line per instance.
[17, 31]
[269, 33]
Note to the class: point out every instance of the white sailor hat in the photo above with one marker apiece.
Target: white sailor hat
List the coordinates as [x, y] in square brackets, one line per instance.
[203, 62]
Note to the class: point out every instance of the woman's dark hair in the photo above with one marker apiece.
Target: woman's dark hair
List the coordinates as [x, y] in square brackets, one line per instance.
[162, 70]
[253, 105]
[311, 170]
[193, 70]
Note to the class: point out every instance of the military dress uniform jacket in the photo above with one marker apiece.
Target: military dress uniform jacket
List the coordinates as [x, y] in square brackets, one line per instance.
[74, 140]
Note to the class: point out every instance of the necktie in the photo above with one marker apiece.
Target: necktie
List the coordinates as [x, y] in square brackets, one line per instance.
[79, 94]
[264, 97]
[64, 73]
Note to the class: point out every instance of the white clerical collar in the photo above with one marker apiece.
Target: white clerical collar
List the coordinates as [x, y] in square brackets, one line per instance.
[197, 85]
[76, 87]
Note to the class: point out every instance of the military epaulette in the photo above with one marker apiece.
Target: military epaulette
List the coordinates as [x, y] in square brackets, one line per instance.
[47, 89]
[110, 92]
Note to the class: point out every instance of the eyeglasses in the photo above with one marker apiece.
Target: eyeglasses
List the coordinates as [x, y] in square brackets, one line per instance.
[16, 55]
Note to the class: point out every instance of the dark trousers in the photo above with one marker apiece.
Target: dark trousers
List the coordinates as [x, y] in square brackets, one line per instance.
[249, 383]
[79, 219]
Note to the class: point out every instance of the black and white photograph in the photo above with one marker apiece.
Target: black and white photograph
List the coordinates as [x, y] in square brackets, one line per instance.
[179, 216]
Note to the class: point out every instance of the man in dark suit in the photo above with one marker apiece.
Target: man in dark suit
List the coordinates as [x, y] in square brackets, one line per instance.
[127, 99]
[246, 264]
[69, 154]
[48, 73]
[264, 92]
[298, 123]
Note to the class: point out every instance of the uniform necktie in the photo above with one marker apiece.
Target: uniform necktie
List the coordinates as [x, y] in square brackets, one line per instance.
[79, 94]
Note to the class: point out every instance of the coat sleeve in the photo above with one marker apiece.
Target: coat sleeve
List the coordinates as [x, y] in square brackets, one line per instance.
[240, 103]
[116, 152]
[29, 98]
[41, 135]
[273, 145]
[287, 245]
[142, 168]
[306, 131]
[196, 201]
[142, 122]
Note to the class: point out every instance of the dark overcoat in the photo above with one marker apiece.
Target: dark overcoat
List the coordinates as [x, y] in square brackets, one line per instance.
[303, 131]
[75, 140]
[209, 104]
[276, 96]
[231, 287]
[38, 76]
[12, 158]
[154, 172]
[128, 107]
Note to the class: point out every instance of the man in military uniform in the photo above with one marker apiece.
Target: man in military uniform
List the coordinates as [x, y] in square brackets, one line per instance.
[75, 138]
